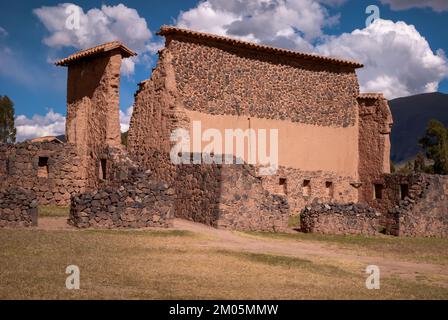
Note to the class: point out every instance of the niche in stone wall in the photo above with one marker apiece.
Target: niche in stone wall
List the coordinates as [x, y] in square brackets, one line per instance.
[378, 191]
[404, 191]
[306, 188]
[283, 183]
[329, 189]
[103, 169]
[42, 168]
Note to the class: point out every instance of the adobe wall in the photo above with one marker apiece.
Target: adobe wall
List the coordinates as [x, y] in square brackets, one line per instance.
[18, 208]
[53, 184]
[375, 121]
[93, 107]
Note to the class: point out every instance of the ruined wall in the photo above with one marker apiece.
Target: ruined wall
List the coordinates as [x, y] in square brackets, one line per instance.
[93, 108]
[228, 197]
[301, 188]
[375, 121]
[18, 208]
[52, 170]
[340, 219]
[128, 197]
[416, 205]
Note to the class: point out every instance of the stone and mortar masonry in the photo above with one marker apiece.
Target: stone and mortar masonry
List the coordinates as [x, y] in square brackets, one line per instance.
[18, 208]
[51, 170]
[345, 219]
[129, 198]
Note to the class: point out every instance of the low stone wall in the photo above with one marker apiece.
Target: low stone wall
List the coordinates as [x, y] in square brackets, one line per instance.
[18, 208]
[130, 199]
[340, 219]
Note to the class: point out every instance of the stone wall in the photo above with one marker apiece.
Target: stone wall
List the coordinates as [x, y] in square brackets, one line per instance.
[228, 197]
[18, 208]
[50, 169]
[340, 219]
[375, 121]
[220, 78]
[301, 188]
[416, 205]
[130, 197]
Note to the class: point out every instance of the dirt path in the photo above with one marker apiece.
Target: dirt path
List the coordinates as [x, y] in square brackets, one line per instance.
[306, 250]
[311, 250]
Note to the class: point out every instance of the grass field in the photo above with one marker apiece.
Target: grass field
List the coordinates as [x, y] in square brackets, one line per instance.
[177, 264]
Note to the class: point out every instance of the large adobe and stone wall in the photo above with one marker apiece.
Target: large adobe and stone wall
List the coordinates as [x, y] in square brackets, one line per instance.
[219, 83]
[53, 171]
[18, 208]
[93, 99]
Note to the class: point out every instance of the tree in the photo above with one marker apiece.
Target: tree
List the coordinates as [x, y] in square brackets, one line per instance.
[419, 163]
[7, 127]
[435, 145]
[124, 138]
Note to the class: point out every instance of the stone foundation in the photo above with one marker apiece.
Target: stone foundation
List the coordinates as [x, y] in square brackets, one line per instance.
[340, 219]
[18, 208]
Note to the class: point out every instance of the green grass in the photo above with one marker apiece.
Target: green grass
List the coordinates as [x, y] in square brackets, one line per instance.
[294, 222]
[434, 250]
[53, 211]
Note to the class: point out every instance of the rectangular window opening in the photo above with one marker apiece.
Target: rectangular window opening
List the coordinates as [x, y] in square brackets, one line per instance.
[43, 170]
[306, 188]
[283, 183]
[329, 188]
[404, 191]
[103, 169]
[378, 190]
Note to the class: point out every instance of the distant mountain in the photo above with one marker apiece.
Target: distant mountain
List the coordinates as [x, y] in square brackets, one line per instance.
[411, 115]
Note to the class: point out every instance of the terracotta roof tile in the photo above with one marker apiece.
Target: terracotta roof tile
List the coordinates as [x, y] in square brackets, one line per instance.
[167, 30]
[97, 50]
[375, 96]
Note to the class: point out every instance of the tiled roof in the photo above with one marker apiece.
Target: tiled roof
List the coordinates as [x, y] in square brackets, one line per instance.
[371, 96]
[167, 30]
[126, 52]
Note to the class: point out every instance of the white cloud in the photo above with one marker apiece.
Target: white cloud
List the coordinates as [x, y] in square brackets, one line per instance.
[125, 119]
[3, 32]
[96, 26]
[51, 124]
[436, 5]
[398, 60]
[286, 23]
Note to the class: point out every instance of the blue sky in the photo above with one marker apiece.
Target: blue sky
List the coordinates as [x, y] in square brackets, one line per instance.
[404, 66]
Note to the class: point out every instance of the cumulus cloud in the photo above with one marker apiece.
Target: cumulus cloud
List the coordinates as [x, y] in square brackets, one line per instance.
[125, 119]
[436, 5]
[51, 124]
[398, 60]
[286, 23]
[96, 26]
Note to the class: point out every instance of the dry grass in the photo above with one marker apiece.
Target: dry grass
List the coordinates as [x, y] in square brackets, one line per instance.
[172, 265]
[53, 212]
[431, 250]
